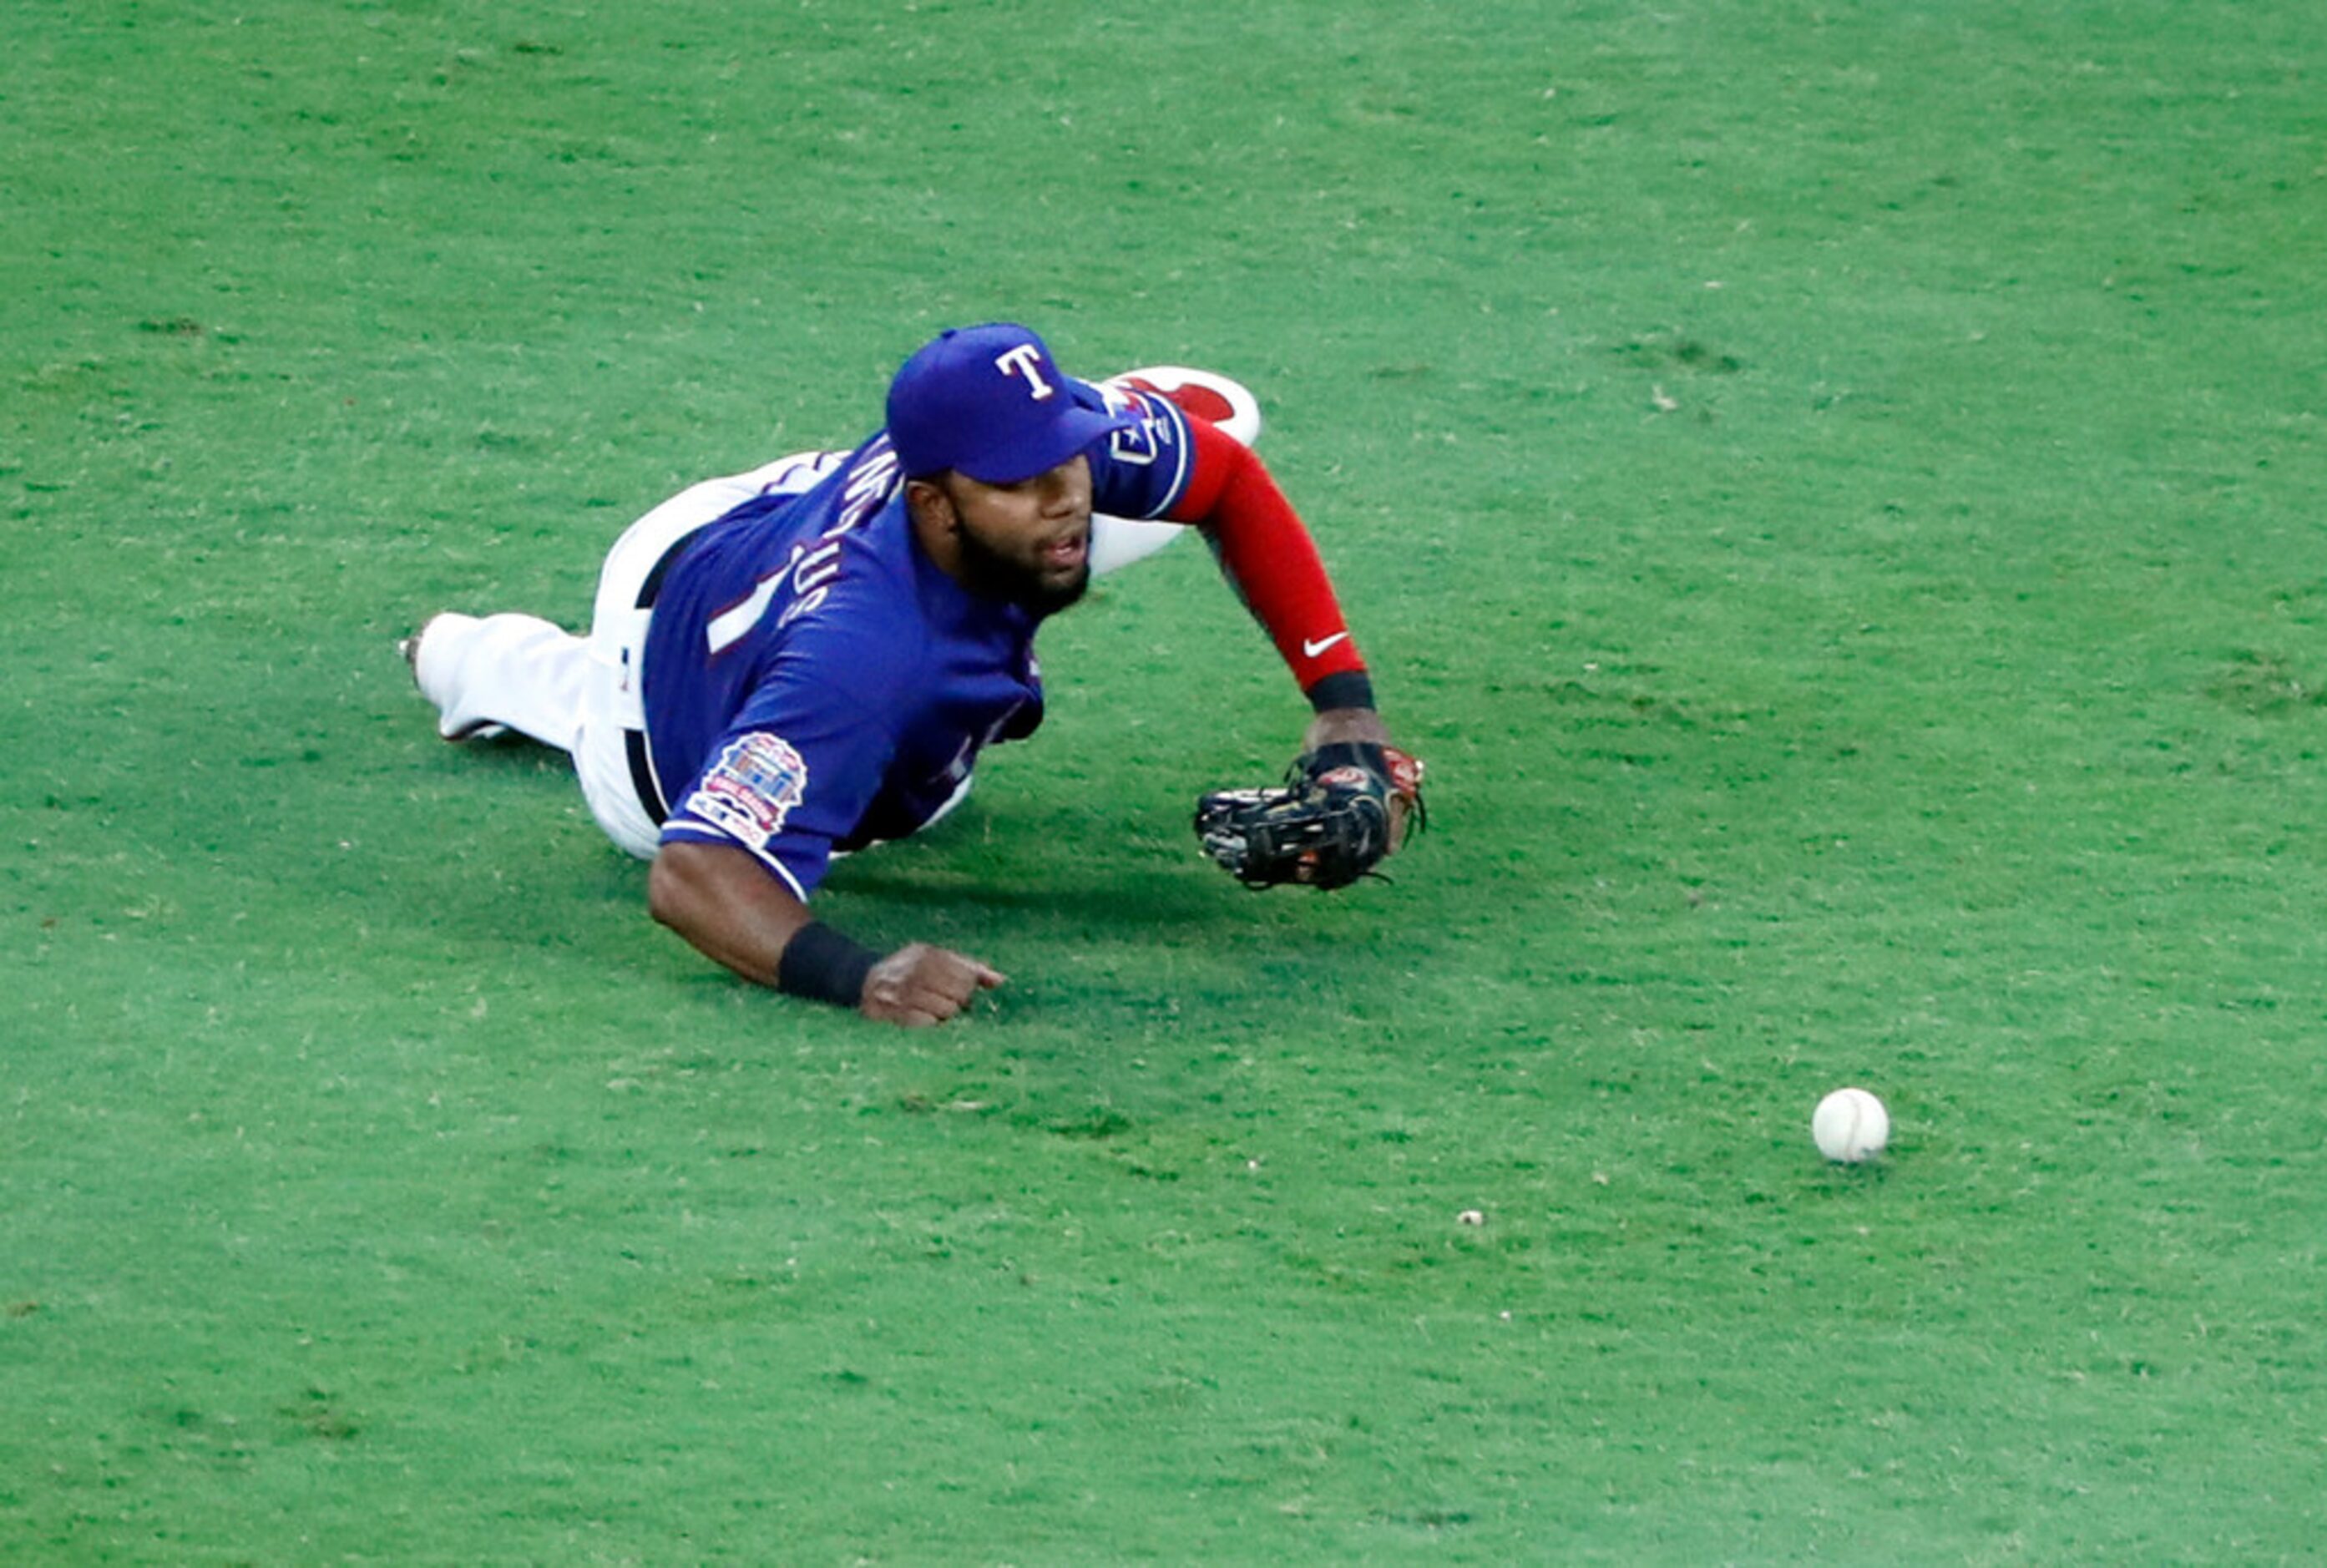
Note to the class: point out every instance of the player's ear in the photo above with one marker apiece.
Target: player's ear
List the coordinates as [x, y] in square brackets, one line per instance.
[932, 506]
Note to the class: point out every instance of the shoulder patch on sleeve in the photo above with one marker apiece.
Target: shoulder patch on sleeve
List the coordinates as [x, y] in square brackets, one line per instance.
[751, 788]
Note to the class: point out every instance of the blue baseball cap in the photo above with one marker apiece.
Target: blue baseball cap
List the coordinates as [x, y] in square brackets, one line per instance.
[989, 402]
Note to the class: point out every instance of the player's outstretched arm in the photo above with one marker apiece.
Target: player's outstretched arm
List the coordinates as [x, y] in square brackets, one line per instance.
[1352, 794]
[728, 908]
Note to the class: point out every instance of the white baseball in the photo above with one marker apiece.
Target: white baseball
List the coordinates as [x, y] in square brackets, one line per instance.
[1850, 1125]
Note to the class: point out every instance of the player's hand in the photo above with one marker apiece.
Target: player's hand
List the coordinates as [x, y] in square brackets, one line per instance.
[920, 985]
[1338, 726]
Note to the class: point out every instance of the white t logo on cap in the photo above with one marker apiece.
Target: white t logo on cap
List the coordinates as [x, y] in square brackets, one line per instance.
[1027, 361]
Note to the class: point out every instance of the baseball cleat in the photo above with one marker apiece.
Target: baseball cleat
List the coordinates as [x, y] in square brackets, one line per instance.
[408, 649]
[1207, 394]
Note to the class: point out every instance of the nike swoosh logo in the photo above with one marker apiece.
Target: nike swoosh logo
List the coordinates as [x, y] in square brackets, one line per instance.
[1312, 649]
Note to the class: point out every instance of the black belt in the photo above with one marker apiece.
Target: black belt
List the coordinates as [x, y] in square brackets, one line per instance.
[634, 741]
[652, 589]
[642, 777]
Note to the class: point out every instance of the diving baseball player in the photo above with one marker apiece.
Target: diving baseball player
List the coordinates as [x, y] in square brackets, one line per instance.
[808, 660]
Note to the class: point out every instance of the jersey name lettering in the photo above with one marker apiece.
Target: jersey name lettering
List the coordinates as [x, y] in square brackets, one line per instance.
[811, 568]
[812, 578]
[868, 484]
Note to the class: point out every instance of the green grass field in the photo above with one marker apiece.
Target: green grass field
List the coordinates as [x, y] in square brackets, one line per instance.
[1833, 489]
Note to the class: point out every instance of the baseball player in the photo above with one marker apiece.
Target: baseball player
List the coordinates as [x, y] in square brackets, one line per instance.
[805, 660]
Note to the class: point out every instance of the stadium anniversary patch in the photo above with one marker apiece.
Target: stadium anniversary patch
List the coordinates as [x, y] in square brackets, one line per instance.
[751, 788]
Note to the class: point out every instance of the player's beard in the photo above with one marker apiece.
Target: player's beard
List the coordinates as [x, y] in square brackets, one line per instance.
[988, 571]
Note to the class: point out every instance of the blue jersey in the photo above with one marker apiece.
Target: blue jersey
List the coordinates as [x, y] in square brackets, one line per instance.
[813, 682]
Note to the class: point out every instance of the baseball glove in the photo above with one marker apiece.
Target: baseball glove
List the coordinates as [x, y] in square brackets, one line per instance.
[1342, 810]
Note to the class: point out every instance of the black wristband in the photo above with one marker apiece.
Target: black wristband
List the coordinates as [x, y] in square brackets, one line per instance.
[1351, 688]
[820, 963]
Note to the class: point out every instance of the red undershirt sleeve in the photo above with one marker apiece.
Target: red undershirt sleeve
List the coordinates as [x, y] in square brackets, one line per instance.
[1267, 557]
